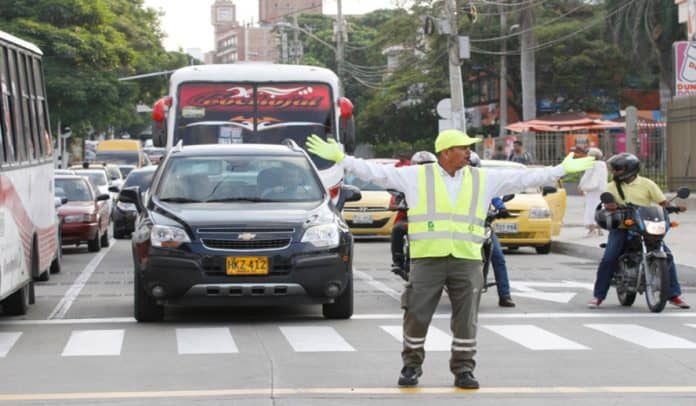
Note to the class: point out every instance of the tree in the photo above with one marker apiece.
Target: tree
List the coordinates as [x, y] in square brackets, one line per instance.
[88, 45]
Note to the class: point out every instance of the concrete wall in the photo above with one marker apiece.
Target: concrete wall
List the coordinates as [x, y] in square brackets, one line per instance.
[681, 143]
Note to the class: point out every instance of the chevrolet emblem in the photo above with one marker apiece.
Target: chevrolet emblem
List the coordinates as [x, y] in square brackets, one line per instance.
[246, 236]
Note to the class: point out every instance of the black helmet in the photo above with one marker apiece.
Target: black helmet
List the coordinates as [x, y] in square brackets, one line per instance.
[609, 220]
[423, 157]
[627, 162]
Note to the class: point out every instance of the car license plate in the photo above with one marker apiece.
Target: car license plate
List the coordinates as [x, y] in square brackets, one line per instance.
[506, 228]
[247, 265]
[362, 218]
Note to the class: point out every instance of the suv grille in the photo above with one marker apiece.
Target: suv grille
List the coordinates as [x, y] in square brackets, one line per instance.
[245, 245]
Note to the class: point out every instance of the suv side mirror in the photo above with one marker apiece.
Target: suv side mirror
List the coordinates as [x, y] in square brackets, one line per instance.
[131, 195]
[114, 189]
[349, 193]
[547, 190]
[103, 196]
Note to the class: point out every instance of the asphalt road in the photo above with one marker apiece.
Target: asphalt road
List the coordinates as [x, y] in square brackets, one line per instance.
[80, 345]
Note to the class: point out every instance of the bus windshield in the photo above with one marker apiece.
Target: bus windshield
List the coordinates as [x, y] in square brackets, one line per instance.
[236, 113]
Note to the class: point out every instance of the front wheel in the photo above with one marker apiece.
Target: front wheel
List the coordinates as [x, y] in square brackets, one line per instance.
[626, 298]
[544, 249]
[145, 307]
[342, 307]
[656, 283]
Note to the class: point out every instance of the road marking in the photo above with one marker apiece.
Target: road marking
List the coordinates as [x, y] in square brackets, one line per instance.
[7, 341]
[390, 391]
[205, 341]
[435, 340]
[643, 336]
[74, 291]
[363, 276]
[535, 338]
[315, 339]
[556, 297]
[393, 316]
[94, 343]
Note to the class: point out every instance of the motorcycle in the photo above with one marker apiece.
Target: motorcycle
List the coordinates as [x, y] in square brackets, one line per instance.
[644, 264]
[398, 203]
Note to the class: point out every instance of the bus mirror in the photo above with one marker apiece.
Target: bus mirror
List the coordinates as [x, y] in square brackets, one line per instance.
[160, 108]
[347, 127]
[346, 107]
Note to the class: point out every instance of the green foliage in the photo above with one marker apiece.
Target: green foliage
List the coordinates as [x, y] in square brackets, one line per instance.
[87, 46]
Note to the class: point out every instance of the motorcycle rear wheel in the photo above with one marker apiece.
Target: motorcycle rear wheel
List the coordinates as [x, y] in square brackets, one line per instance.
[656, 279]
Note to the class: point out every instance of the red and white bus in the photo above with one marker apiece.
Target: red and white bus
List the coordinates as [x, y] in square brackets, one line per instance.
[29, 240]
[256, 103]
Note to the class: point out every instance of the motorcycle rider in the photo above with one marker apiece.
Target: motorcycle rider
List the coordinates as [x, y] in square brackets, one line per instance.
[629, 187]
[500, 272]
[401, 227]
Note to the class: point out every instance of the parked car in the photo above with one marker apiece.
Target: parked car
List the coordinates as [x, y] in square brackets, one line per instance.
[123, 215]
[371, 214]
[536, 214]
[240, 225]
[85, 214]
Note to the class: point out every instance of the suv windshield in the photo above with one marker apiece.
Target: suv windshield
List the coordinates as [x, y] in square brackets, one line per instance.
[239, 178]
[142, 179]
[236, 113]
[75, 190]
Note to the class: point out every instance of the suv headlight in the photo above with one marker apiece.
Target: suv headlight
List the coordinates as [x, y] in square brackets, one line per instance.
[167, 236]
[539, 213]
[325, 236]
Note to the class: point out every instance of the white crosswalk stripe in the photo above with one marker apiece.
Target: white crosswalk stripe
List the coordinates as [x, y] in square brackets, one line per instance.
[94, 343]
[315, 339]
[643, 336]
[535, 338]
[435, 340]
[7, 341]
[205, 341]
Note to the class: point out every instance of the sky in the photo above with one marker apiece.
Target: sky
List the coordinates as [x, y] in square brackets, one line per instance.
[187, 22]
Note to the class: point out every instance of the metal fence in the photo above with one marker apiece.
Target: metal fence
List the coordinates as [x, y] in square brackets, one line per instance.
[650, 147]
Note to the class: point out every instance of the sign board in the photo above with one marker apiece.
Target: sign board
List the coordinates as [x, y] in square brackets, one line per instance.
[685, 68]
[464, 48]
[444, 108]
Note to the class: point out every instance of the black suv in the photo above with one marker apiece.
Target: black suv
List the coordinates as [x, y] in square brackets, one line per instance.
[240, 225]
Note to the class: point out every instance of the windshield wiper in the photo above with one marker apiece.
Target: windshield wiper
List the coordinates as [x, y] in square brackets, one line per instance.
[179, 200]
[239, 199]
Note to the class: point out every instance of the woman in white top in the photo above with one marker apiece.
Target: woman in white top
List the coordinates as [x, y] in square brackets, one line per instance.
[592, 184]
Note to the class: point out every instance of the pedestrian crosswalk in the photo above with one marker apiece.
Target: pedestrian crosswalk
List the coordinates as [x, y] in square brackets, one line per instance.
[323, 338]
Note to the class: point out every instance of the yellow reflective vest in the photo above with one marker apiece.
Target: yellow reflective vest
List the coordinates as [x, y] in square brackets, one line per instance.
[435, 228]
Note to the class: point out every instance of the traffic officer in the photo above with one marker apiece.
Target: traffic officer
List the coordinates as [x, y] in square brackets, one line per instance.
[447, 202]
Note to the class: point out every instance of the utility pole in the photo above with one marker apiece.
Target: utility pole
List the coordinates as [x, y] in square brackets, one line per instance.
[339, 32]
[296, 46]
[527, 73]
[503, 107]
[455, 70]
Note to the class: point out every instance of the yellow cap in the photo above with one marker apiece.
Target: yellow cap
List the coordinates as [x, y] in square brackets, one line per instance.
[453, 138]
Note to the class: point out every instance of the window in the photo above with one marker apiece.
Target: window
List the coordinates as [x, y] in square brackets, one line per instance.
[13, 99]
[23, 98]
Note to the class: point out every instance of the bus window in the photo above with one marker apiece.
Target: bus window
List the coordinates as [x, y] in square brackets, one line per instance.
[23, 99]
[229, 113]
[33, 113]
[16, 117]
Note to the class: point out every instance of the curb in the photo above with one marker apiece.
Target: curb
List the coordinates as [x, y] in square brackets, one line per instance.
[686, 273]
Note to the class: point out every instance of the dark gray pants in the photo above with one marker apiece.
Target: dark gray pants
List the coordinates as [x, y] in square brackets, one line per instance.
[464, 280]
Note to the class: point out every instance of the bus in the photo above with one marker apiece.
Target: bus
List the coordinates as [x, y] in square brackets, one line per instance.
[256, 103]
[29, 233]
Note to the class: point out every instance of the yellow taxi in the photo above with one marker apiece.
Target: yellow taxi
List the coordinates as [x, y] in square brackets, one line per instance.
[536, 214]
[370, 215]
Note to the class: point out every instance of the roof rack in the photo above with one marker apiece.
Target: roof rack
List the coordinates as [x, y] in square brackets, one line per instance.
[179, 146]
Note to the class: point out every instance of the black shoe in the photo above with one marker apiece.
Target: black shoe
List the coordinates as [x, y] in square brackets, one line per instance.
[409, 376]
[466, 380]
[506, 302]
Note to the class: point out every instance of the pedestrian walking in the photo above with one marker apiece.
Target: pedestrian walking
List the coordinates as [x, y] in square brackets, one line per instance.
[447, 204]
[592, 184]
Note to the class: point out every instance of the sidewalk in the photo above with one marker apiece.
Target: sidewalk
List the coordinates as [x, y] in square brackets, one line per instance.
[574, 241]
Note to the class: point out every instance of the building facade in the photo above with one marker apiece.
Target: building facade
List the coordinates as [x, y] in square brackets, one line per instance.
[273, 11]
[236, 42]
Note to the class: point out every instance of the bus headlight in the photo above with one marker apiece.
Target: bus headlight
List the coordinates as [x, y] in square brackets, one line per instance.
[324, 236]
[167, 236]
[539, 213]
